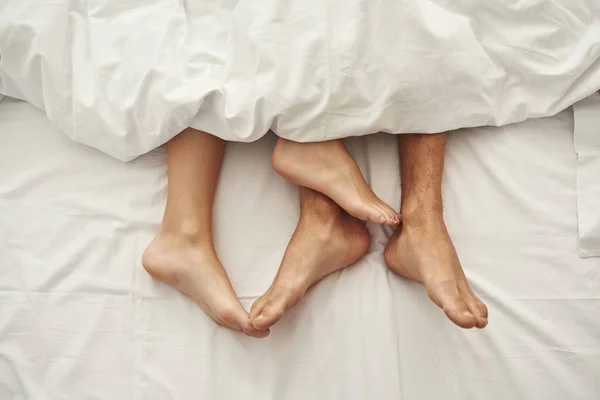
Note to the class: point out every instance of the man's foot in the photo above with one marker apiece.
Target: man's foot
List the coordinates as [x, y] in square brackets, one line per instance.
[192, 267]
[322, 244]
[328, 168]
[423, 252]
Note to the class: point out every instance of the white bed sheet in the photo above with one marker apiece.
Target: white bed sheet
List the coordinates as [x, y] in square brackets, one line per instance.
[80, 318]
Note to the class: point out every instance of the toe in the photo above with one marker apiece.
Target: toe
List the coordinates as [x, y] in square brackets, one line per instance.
[475, 305]
[232, 316]
[385, 218]
[386, 211]
[255, 310]
[387, 215]
[459, 313]
[269, 316]
[378, 217]
[271, 312]
[258, 334]
[367, 210]
[483, 310]
[371, 212]
[447, 296]
[394, 218]
[252, 331]
[390, 215]
[476, 311]
[469, 300]
[258, 305]
[480, 305]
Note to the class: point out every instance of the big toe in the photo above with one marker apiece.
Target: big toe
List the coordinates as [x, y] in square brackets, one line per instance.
[448, 298]
[232, 316]
[272, 312]
[250, 330]
[459, 313]
[255, 310]
[258, 305]
[476, 306]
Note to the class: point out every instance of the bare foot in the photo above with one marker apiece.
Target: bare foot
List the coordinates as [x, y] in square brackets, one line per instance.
[328, 168]
[320, 246]
[424, 252]
[192, 267]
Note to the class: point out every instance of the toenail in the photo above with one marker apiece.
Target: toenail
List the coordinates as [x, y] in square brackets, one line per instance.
[260, 317]
[468, 314]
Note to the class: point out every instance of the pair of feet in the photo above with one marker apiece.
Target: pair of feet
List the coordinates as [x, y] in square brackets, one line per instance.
[328, 238]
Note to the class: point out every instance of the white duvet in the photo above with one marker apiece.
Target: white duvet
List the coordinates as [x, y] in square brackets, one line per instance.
[125, 76]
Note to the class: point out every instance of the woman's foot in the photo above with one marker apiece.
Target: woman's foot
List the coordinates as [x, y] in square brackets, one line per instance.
[326, 240]
[191, 266]
[328, 168]
[421, 250]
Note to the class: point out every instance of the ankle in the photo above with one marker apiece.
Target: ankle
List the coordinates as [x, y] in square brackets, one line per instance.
[416, 213]
[320, 215]
[189, 231]
[317, 204]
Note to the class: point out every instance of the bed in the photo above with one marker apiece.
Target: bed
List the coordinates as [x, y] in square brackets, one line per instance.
[81, 319]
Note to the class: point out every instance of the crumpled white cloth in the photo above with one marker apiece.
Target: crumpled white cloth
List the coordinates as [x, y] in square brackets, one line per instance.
[586, 115]
[125, 76]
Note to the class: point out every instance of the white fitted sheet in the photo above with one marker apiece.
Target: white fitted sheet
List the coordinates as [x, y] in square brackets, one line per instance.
[80, 318]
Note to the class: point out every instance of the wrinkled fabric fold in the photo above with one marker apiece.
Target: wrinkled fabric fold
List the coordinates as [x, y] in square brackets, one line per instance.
[125, 77]
[587, 145]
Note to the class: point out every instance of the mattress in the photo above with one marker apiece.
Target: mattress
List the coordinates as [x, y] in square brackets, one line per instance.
[81, 319]
[307, 69]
